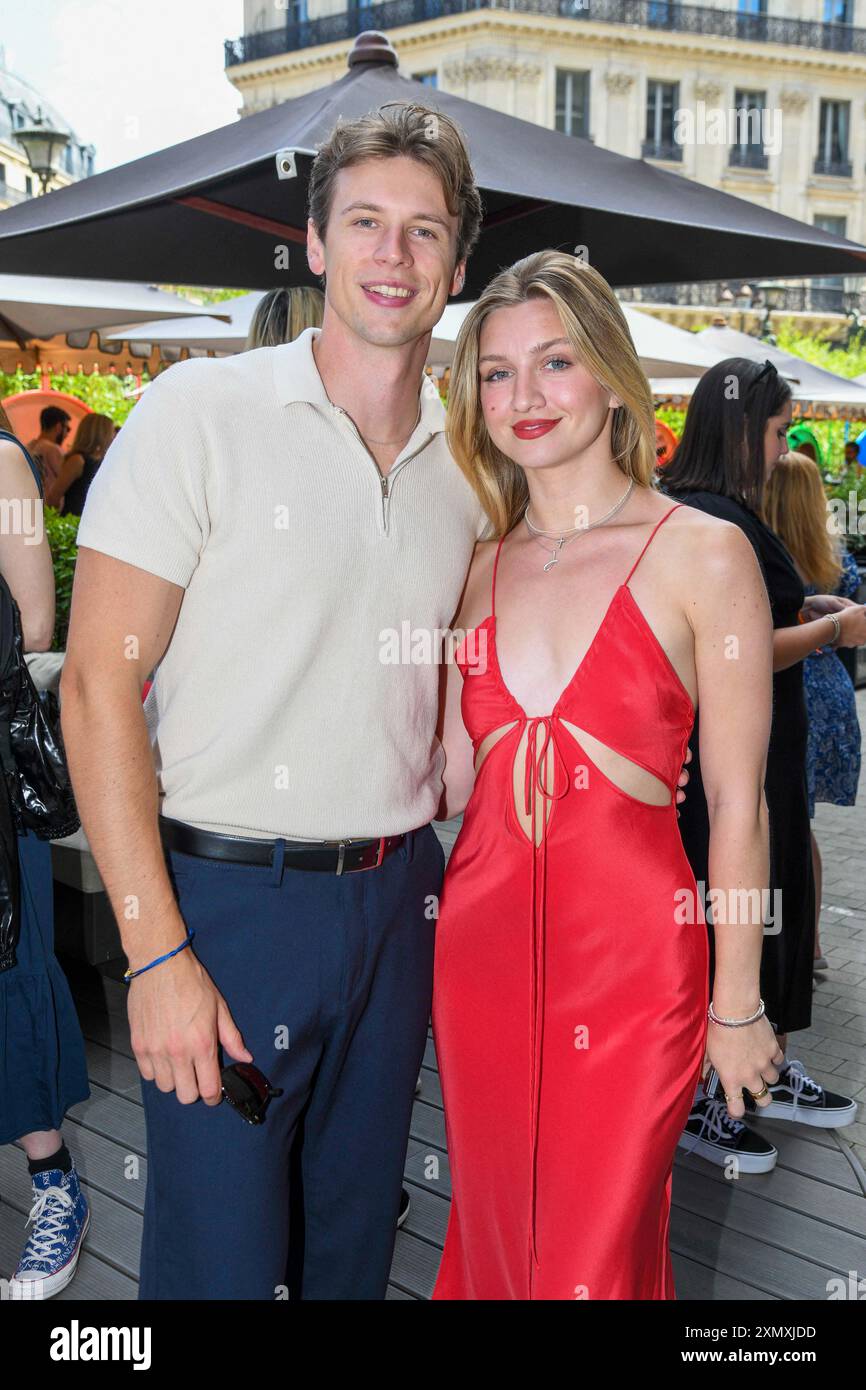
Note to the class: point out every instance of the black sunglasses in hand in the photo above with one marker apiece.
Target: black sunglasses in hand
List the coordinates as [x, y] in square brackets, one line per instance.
[247, 1090]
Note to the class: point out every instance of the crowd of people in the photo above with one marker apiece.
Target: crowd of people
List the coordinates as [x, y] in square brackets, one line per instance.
[280, 850]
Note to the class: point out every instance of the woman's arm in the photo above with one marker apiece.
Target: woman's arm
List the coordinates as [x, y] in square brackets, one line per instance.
[793, 644]
[733, 631]
[25, 558]
[459, 774]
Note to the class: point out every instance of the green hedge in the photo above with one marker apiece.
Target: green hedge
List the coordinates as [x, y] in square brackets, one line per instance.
[62, 533]
[104, 394]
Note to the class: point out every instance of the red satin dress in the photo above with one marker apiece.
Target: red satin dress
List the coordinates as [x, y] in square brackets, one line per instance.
[571, 981]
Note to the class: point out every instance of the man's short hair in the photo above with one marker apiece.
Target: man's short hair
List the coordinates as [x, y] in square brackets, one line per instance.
[52, 416]
[401, 128]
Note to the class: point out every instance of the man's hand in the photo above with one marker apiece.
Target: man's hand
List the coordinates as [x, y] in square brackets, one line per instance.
[177, 1018]
[683, 778]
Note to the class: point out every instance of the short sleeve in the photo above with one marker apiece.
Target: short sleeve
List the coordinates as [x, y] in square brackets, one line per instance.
[147, 504]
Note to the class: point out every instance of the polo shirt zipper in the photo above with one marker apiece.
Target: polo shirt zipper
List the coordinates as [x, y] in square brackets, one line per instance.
[384, 479]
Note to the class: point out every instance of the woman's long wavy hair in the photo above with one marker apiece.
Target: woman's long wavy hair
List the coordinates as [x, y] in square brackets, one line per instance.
[722, 444]
[795, 507]
[595, 325]
[94, 434]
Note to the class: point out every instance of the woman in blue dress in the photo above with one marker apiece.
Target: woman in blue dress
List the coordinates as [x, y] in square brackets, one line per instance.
[796, 508]
[42, 1060]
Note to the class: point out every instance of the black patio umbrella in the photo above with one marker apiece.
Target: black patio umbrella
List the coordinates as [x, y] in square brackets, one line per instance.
[214, 210]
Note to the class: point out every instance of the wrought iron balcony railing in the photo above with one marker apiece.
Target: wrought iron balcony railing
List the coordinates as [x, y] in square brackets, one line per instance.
[841, 168]
[808, 297]
[748, 157]
[648, 14]
[665, 149]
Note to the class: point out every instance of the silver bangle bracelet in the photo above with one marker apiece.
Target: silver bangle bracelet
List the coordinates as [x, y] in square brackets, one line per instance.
[837, 628]
[735, 1022]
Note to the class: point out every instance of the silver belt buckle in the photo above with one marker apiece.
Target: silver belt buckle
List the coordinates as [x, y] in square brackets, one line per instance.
[341, 857]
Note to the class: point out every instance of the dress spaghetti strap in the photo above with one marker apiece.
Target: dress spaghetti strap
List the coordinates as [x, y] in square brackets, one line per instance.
[652, 533]
[493, 585]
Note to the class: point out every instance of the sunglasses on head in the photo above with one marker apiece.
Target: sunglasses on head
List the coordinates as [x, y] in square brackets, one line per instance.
[247, 1090]
[768, 369]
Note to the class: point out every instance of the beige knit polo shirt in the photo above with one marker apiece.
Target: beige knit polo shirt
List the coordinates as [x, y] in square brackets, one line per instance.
[298, 694]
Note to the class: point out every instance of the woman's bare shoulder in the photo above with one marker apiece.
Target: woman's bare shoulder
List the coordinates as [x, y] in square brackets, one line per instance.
[707, 549]
[475, 604]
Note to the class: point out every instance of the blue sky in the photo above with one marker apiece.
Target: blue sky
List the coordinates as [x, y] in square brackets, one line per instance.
[130, 76]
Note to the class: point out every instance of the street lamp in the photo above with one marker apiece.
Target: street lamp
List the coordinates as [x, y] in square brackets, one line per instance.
[773, 292]
[43, 145]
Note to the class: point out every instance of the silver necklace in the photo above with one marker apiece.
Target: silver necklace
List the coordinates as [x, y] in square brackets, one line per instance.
[562, 538]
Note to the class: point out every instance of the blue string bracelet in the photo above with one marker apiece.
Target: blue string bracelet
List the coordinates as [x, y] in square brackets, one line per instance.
[131, 974]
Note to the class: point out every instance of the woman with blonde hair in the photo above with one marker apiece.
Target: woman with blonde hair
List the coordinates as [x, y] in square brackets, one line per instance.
[281, 315]
[571, 978]
[92, 438]
[796, 508]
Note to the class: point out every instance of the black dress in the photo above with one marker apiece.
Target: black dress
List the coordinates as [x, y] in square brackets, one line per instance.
[76, 493]
[787, 954]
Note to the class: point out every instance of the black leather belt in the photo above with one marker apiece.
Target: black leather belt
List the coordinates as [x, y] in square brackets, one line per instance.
[329, 856]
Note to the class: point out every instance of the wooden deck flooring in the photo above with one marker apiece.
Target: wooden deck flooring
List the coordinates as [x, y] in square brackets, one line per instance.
[777, 1236]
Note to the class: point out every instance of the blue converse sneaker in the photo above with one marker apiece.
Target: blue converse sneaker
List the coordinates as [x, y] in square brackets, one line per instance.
[60, 1217]
[797, 1097]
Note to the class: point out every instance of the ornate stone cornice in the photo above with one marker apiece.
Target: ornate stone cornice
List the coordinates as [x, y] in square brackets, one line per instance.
[491, 68]
[793, 99]
[708, 90]
[618, 83]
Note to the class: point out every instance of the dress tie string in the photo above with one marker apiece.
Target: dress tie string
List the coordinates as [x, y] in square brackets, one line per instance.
[534, 768]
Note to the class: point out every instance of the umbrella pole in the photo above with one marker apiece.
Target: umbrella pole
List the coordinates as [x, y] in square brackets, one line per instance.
[14, 333]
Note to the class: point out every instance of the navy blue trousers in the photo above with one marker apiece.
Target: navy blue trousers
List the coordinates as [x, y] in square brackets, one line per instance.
[329, 979]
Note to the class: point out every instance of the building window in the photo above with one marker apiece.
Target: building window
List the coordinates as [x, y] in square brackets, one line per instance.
[662, 100]
[752, 19]
[663, 14]
[836, 29]
[429, 79]
[747, 151]
[572, 102]
[832, 157]
[3, 174]
[28, 185]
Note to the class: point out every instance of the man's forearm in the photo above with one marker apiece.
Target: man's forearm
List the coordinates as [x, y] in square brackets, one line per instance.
[114, 781]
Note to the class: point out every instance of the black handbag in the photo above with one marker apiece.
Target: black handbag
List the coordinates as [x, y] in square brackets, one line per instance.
[32, 755]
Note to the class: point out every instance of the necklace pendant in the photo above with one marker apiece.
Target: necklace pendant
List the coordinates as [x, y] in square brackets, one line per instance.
[551, 562]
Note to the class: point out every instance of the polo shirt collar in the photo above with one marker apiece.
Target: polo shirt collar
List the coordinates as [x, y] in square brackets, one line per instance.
[296, 378]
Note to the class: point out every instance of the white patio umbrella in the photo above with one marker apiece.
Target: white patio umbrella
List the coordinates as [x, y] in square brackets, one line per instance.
[39, 306]
[204, 333]
[808, 382]
[662, 348]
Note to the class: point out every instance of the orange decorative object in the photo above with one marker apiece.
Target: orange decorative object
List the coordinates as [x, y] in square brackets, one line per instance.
[666, 442]
[25, 408]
